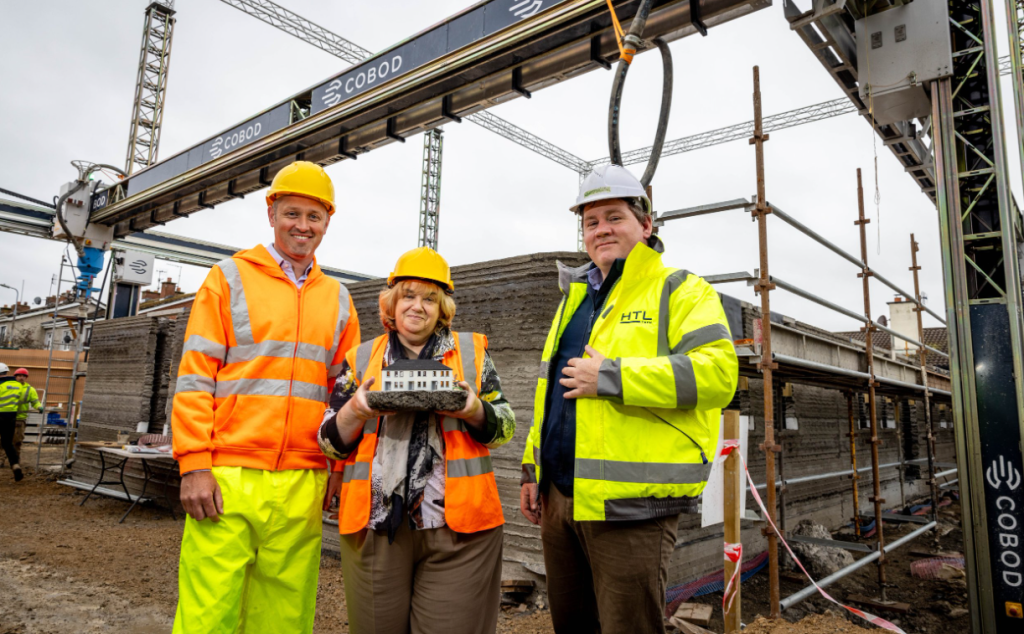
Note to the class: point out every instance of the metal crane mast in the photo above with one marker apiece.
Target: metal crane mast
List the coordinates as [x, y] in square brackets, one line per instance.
[982, 235]
[150, 86]
[430, 187]
[1015, 65]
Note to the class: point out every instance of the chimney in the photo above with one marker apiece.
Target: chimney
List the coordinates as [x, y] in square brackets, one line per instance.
[168, 288]
[903, 319]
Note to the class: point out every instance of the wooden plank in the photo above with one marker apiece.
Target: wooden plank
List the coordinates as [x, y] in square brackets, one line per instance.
[891, 606]
[696, 613]
[733, 494]
[896, 517]
[686, 627]
[926, 552]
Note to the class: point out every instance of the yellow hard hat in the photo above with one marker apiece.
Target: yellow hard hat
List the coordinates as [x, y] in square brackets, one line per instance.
[423, 263]
[303, 178]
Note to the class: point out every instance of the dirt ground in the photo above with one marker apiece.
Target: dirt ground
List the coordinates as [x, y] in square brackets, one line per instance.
[937, 606]
[69, 568]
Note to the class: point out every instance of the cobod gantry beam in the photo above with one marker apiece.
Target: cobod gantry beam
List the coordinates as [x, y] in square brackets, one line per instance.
[484, 56]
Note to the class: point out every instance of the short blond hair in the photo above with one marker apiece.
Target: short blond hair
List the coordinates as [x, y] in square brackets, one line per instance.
[389, 299]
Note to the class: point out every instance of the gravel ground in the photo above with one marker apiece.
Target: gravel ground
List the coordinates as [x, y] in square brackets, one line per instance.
[69, 568]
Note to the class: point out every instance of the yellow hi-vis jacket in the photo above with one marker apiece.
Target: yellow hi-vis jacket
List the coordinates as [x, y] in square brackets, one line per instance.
[644, 446]
[29, 400]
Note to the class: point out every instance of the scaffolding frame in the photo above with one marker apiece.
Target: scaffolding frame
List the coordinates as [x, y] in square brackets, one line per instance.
[767, 363]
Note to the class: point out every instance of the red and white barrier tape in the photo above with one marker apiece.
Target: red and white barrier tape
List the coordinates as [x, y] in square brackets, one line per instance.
[733, 553]
[727, 447]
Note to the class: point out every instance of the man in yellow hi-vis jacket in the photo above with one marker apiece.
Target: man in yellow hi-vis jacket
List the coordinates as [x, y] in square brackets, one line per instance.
[637, 365]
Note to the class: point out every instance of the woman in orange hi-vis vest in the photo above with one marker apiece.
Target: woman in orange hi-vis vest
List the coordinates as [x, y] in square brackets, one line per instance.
[419, 514]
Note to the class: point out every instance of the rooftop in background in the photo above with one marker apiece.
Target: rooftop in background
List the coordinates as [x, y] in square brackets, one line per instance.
[67, 300]
[937, 338]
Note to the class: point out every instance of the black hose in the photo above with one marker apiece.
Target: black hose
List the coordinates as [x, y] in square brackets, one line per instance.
[632, 39]
[666, 108]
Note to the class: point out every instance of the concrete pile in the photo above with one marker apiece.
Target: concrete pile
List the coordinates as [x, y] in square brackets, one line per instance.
[129, 363]
[820, 561]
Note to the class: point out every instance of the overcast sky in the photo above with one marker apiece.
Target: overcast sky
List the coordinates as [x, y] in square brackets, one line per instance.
[67, 75]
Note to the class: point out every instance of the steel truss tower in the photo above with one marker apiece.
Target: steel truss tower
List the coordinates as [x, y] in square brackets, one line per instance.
[1015, 19]
[981, 239]
[430, 187]
[150, 87]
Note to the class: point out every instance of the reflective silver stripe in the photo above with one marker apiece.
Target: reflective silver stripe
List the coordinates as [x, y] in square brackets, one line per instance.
[672, 282]
[202, 345]
[363, 359]
[544, 369]
[194, 383]
[531, 472]
[467, 350]
[468, 467]
[370, 427]
[642, 472]
[452, 424]
[279, 349]
[536, 455]
[343, 314]
[334, 370]
[702, 337]
[686, 381]
[239, 307]
[271, 387]
[609, 379]
[356, 471]
[630, 509]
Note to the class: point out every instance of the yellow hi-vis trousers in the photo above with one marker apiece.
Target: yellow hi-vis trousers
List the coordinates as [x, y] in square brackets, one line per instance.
[256, 570]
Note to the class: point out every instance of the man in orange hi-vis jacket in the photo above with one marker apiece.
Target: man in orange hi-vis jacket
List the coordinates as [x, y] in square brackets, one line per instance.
[266, 337]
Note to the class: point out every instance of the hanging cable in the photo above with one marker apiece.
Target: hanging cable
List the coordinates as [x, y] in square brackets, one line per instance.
[628, 44]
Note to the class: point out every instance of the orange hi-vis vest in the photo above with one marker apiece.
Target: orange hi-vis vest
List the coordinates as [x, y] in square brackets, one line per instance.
[259, 359]
[471, 502]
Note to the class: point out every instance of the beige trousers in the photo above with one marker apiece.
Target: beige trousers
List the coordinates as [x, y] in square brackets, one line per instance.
[433, 581]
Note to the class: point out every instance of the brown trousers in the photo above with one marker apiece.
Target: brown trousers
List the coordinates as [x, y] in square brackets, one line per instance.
[426, 582]
[19, 435]
[605, 577]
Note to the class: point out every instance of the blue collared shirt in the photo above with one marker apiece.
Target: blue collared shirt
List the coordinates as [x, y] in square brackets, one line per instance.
[558, 433]
[287, 267]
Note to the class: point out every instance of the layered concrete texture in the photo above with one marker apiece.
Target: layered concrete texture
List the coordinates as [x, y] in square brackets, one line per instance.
[129, 367]
[417, 401]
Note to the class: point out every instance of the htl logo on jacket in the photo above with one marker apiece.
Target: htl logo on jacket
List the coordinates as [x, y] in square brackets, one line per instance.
[636, 317]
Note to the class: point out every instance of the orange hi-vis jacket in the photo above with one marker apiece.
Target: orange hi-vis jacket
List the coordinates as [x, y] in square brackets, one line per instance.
[471, 501]
[259, 360]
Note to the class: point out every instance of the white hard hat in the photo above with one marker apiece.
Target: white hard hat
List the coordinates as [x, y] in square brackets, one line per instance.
[607, 182]
[4, 369]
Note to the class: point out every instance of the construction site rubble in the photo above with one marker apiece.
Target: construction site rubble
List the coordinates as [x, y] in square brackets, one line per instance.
[820, 561]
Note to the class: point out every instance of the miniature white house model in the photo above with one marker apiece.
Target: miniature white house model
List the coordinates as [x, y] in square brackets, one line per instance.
[408, 375]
